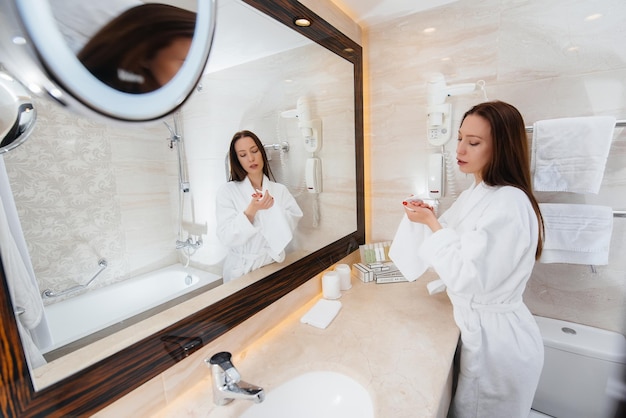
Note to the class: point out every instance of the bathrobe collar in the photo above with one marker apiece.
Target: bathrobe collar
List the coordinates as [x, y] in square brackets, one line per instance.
[468, 201]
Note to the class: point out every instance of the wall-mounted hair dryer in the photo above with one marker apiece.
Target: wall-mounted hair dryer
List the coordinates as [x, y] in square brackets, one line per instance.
[311, 129]
[439, 123]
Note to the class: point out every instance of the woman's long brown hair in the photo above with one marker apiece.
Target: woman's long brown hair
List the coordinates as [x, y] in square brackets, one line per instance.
[237, 172]
[132, 39]
[510, 162]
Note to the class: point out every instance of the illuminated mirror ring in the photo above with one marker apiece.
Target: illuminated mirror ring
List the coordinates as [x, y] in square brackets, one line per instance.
[63, 77]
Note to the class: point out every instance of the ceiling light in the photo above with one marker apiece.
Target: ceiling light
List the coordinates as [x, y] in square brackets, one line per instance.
[594, 16]
[303, 22]
[429, 30]
[19, 40]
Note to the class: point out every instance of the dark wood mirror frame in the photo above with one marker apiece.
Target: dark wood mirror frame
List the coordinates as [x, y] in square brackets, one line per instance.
[99, 385]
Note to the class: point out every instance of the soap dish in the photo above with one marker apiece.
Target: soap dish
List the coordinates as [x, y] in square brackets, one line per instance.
[322, 313]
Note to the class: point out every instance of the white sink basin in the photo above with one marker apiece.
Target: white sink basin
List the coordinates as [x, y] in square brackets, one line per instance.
[313, 395]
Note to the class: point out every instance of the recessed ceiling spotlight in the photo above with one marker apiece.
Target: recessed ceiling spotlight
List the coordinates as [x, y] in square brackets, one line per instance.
[19, 40]
[303, 22]
[429, 30]
[594, 16]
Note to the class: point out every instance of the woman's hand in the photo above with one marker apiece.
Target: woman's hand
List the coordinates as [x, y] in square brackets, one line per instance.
[422, 212]
[260, 201]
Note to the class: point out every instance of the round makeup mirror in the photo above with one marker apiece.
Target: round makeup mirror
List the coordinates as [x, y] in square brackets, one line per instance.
[161, 73]
[17, 113]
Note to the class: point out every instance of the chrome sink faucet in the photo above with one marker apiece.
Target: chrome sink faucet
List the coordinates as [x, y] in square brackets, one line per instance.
[227, 383]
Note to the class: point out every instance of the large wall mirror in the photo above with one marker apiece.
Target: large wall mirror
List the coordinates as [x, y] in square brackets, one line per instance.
[115, 203]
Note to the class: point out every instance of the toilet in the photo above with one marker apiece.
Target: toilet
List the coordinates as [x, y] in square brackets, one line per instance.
[583, 372]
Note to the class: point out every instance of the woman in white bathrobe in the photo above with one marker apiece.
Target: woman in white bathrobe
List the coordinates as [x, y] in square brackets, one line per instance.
[484, 249]
[256, 217]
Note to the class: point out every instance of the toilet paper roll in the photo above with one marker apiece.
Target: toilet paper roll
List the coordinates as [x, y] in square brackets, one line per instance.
[331, 285]
[345, 276]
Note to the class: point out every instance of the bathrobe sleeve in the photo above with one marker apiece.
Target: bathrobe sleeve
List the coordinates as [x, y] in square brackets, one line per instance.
[233, 226]
[287, 205]
[278, 222]
[482, 254]
[267, 236]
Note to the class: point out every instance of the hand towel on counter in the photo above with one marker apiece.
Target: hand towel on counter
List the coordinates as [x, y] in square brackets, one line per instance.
[576, 234]
[322, 313]
[405, 248]
[569, 154]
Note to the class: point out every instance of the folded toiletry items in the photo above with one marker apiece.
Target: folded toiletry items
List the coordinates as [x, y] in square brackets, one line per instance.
[569, 154]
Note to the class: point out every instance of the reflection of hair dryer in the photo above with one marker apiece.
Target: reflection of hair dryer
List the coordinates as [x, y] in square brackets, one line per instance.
[304, 117]
[310, 129]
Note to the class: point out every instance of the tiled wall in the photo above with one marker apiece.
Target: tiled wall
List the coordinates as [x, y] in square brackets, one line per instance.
[549, 59]
[86, 190]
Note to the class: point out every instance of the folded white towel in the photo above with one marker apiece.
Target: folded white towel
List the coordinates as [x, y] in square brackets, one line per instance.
[405, 248]
[576, 234]
[569, 154]
[322, 313]
[275, 228]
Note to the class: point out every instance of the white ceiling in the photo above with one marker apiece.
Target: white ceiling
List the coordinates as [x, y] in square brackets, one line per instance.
[372, 12]
[234, 43]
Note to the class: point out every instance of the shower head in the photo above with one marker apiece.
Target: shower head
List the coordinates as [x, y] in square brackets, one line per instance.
[174, 137]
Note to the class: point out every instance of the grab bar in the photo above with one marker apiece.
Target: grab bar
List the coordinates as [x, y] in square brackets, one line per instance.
[48, 293]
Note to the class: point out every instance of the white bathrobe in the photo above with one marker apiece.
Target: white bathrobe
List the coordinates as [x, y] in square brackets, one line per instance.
[485, 254]
[253, 245]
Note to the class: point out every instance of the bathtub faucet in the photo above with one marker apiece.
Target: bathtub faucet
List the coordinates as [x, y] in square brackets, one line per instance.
[227, 383]
[189, 243]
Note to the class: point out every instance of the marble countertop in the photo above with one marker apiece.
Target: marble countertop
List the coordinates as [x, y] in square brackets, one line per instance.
[395, 339]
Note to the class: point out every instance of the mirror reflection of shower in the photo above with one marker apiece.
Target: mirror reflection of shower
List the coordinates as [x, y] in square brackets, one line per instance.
[193, 241]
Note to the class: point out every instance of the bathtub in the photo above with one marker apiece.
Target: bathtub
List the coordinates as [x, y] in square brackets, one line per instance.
[74, 319]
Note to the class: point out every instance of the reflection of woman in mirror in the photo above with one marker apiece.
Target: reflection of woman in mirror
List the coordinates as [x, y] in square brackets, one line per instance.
[141, 49]
[256, 217]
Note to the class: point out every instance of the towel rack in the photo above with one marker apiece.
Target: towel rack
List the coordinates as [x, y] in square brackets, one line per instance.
[617, 123]
[282, 146]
